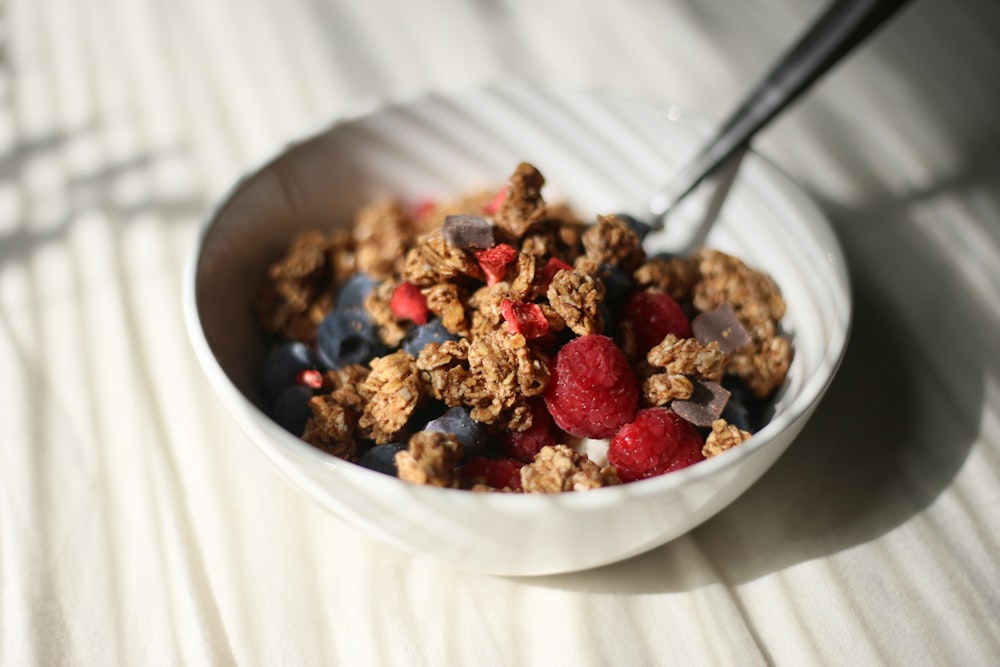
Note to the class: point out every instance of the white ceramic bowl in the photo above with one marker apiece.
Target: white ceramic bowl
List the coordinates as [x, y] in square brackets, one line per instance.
[601, 154]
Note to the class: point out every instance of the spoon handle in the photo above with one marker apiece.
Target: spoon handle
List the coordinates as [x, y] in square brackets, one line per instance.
[839, 29]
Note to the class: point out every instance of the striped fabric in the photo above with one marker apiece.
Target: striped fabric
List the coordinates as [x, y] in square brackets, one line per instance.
[138, 527]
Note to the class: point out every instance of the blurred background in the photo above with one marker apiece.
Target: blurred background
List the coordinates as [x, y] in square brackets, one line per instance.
[137, 527]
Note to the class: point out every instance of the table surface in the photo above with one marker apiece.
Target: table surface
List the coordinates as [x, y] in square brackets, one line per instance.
[137, 524]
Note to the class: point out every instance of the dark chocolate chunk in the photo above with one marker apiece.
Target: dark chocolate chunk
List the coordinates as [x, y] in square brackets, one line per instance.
[469, 231]
[707, 401]
[721, 325]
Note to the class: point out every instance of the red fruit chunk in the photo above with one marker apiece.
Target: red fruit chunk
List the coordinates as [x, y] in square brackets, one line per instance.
[491, 207]
[523, 445]
[494, 261]
[409, 303]
[653, 315]
[310, 378]
[524, 318]
[497, 473]
[592, 389]
[551, 268]
[656, 442]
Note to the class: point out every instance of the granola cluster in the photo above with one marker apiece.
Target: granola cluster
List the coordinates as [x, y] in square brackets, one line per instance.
[508, 278]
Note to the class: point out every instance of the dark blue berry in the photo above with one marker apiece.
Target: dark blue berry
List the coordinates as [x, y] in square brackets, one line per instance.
[282, 367]
[354, 291]
[421, 336]
[292, 410]
[607, 315]
[617, 284]
[459, 422]
[382, 458]
[347, 337]
[640, 228]
[743, 407]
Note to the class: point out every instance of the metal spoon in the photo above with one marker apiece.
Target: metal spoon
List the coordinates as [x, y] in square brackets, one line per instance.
[843, 25]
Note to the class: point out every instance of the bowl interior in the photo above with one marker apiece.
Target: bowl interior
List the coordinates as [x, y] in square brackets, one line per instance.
[599, 153]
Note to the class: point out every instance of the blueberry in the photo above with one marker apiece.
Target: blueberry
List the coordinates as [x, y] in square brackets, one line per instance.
[347, 337]
[282, 366]
[610, 325]
[640, 228]
[617, 284]
[382, 458]
[432, 332]
[743, 407]
[354, 291]
[459, 421]
[292, 410]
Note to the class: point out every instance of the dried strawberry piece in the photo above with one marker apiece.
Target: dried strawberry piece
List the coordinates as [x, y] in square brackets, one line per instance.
[409, 303]
[492, 206]
[310, 378]
[424, 207]
[551, 268]
[494, 261]
[526, 319]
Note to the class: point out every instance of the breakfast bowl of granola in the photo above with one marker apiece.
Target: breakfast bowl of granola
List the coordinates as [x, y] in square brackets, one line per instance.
[446, 321]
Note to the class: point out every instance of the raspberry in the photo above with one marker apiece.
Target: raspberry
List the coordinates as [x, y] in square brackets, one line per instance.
[523, 445]
[524, 318]
[497, 473]
[494, 261]
[409, 303]
[592, 390]
[657, 441]
[653, 315]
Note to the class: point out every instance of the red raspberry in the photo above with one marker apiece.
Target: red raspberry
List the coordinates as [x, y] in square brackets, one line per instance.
[658, 441]
[524, 318]
[494, 261]
[592, 390]
[523, 445]
[498, 473]
[653, 315]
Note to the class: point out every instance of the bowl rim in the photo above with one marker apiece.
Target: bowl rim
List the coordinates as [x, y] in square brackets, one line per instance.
[240, 406]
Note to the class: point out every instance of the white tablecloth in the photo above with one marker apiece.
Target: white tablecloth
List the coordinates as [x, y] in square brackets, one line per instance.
[139, 527]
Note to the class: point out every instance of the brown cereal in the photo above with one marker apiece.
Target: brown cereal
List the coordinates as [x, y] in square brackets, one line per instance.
[723, 436]
[433, 260]
[558, 468]
[444, 370]
[611, 241]
[485, 304]
[445, 301]
[344, 383]
[765, 366]
[431, 458]
[758, 305]
[523, 287]
[394, 390]
[299, 288]
[331, 427]
[661, 388]
[523, 208]
[687, 356]
[675, 276]
[382, 232]
[576, 297]
[505, 374]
